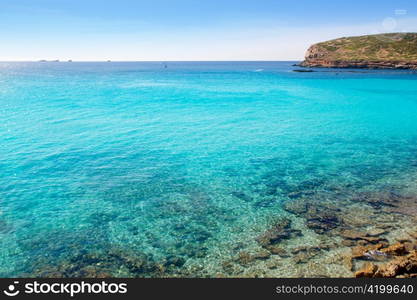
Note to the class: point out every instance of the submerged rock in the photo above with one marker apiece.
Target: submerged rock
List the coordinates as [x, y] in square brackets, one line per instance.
[228, 267]
[304, 253]
[322, 221]
[262, 255]
[302, 258]
[376, 232]
[281, 230]
[297, 207]
[348, 243]
[242, 196]
[265, 202]
[390, 200]
[300, 194]
[277, 250]
[405, 206]
[352, 235]
[4, 226]
[175, 261]
[363, 238]
[113, 263]
[244, 258]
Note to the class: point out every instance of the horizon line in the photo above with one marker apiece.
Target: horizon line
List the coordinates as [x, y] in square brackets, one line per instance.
[110, 60]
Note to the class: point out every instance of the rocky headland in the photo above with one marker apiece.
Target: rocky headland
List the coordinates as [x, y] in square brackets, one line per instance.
[381, 51]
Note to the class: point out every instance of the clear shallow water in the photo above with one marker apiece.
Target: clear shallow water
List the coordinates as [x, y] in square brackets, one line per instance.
[185, 163]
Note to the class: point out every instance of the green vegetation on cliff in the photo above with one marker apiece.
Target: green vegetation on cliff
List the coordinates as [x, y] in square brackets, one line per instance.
[390, 50]
[389, 47]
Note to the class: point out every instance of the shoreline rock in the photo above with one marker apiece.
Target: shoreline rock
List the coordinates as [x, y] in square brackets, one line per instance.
[318, 63]
[401, 257]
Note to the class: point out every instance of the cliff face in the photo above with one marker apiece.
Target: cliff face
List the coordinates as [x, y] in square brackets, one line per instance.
[391, 51]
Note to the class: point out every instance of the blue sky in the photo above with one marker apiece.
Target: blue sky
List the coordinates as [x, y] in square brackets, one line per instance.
[188, 29]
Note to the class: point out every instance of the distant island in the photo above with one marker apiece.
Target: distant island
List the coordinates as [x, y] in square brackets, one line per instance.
[380, 51]
[44, 60]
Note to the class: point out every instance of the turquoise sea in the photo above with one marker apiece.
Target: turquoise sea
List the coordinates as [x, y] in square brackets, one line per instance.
[179, 168]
